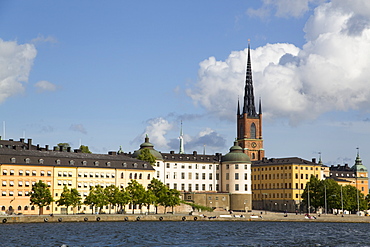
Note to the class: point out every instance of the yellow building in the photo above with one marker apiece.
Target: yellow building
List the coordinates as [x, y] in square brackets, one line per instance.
[278, 184]
[22, 164]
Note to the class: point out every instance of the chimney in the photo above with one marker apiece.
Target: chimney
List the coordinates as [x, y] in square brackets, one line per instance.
[112, 153]
[195, 153]
[21, 140]
[29, 144]
[314, 160]
[60, 148]
[55, 148]
[68, 149]
[46, 147]
[77, 150]
[172, 152]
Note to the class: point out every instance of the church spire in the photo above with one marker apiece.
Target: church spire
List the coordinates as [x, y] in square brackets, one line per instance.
[181, 137]
[238, 110]
[249, 107]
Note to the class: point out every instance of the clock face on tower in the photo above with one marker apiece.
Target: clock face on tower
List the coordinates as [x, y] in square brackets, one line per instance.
[253, 145]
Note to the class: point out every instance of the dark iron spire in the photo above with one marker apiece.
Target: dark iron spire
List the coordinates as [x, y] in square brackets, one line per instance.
[238, 111]
[249, 107]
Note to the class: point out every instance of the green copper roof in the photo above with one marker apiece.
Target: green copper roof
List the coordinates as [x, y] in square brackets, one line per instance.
[149, 146]
[358, 166]
[236, 155]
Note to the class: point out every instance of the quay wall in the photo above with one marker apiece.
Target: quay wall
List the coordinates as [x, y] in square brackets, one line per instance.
[179, 217]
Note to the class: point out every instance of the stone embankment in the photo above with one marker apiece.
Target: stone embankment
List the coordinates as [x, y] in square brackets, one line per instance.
[257, 216]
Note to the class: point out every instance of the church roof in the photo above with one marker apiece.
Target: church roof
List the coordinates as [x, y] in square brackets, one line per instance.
[236, 155]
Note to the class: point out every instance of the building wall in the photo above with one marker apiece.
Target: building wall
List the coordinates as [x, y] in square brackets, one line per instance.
[278, 187]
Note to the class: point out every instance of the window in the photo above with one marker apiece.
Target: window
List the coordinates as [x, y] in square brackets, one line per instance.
[182, 186]
[189, 187]
[42, 173]
[174, 175]
[217, 176]
[227, 176]
[203, 187]
[4, 183]
[57, 162]
[245, 187]
[236, 187]
[168, 165]
[20, 172]
[13, 160]
[197, 187]
[196, 175]
[227, 166]
[33, 173]
[27, 183]
[183, 175]
[253, 131]
[27, 160]
[190, 175]
[236, 176]
[245, 167]
[236, 166]
[203, 176]
[11, 172]
[210, 176]
[245, 176]
[5, 172]
[60, 174]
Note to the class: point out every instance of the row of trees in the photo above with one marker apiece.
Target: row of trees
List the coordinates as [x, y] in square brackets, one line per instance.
[319, 191]
[136, 194]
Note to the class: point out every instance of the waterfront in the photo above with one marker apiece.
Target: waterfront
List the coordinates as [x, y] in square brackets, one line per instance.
[185, 233]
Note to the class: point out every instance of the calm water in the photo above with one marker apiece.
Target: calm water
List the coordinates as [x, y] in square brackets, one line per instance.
[185, 234]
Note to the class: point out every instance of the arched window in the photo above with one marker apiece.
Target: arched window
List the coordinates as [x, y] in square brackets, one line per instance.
[135, 176]
[19, 207]
[241, 131]
[253, 155]
[121, 174]
[253, 131]
[140, 176]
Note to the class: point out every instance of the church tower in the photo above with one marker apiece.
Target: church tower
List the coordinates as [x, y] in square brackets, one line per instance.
[249, 122]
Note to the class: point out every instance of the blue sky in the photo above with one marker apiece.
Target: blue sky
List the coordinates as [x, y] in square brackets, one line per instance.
[105, 73]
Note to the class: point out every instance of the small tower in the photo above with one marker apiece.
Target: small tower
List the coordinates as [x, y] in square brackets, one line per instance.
[361, 174]
[249, 122]
[236, 178]
[181, 137]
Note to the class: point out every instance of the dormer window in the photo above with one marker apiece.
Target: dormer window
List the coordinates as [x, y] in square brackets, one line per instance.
[57, 162]
[96, 163]
[71, 162]
[84, 163]
[135, 165]
[27, 160]
[12, 160]
[41, 161]
[108, 163]
[124, 164]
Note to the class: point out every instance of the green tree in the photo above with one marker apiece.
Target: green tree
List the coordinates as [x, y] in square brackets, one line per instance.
[112, 193]
[41, 196]
[145, 155]
[64, 145]
[353, 199]
[332, 194]
[85, 149]
[367, 198]
[173, 199]
[136, 192]
[123, 198]
[158, 189]
[96, 198]
[314, 187]
[69, 198]
[149, 199]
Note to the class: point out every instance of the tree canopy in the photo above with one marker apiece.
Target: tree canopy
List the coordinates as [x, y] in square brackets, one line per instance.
[41, 196]
[69, 198]
[85, 149]
[145, 155]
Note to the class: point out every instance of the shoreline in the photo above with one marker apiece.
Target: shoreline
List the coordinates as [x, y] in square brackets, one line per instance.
[207, 216]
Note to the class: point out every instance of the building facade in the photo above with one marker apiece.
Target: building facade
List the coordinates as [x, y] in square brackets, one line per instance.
[23, 164]
[278, 184]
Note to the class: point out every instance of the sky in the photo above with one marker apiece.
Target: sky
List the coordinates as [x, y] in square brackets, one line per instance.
[106, 73]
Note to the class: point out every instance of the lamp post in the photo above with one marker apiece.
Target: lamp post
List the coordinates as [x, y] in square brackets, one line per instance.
[326, 207]
[341, 198]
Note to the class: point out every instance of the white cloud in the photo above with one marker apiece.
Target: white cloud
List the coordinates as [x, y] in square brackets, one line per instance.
[43, 86]
[15, 65]
[329, 73]
[41, 38]
[79, 128]
[283, 8]
[156, 130]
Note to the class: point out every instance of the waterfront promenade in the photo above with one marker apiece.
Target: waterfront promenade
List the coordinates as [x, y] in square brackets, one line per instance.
[206, 216]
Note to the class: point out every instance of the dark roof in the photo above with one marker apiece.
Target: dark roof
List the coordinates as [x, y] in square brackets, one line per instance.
[199, 158]
[283, 161]
[71, 159]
